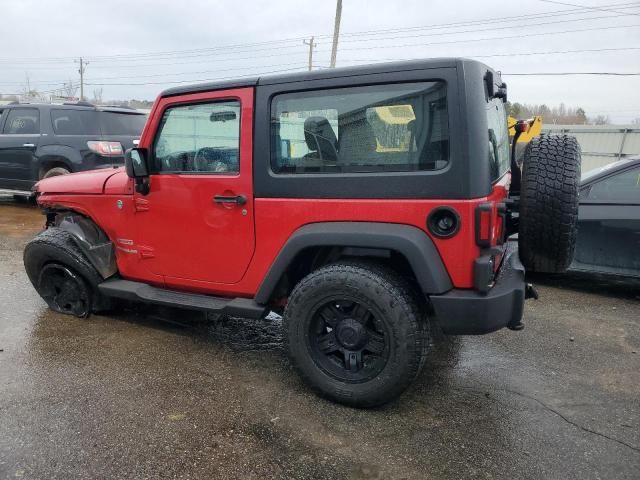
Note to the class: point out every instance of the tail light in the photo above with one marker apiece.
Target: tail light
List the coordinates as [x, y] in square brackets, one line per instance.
[490, 231]
[108, 149]
[490, 224]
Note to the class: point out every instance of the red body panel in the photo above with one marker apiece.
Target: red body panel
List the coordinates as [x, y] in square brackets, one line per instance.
[176, 236]
[80, 182]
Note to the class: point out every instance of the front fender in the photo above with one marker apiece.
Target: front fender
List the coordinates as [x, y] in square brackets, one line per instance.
[93, 242]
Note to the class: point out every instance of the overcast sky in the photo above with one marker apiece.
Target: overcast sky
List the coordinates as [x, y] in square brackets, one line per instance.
[41, 38]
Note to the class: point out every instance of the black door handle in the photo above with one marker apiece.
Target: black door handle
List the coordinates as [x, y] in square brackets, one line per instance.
[237, 199]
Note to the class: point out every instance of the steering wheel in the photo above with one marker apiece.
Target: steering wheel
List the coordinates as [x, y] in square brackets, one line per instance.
[209, 159]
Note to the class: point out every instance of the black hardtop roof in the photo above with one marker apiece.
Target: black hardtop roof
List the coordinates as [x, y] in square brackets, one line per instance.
[385, 67]
[73, 106]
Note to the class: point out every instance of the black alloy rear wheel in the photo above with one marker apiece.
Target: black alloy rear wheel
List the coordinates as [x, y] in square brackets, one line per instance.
[356, 332]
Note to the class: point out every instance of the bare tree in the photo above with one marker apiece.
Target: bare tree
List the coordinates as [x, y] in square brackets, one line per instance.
[636, 122]
[97, 96]
[28, 92]
[69, 89]
[600, 120]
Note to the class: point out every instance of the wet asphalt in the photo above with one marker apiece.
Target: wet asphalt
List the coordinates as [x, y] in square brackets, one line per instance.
[151, 393]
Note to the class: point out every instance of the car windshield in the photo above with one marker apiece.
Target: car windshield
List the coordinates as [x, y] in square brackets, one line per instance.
[588, 175]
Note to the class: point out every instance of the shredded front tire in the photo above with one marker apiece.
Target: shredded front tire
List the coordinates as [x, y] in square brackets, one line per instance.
[62, 275]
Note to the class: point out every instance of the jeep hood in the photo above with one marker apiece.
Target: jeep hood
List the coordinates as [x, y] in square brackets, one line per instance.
[112, 180]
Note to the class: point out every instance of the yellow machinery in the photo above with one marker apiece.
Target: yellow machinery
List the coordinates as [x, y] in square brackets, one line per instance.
[535, 127]
[532, 128]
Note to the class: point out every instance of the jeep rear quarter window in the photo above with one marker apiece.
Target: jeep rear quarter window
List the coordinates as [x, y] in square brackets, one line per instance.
[392, 128]
[498, 134]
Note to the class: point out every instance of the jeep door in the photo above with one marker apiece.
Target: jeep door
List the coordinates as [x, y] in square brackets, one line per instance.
[18, 142]
[195, 226]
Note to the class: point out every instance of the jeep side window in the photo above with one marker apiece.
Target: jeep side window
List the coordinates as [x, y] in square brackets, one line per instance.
[379, 128]
[498, 138]
[199, 138]
[22, 121]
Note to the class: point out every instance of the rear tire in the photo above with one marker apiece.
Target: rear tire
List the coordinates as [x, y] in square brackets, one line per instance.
[58, 270]
[55, 171]
[356, 333]
[549, 203]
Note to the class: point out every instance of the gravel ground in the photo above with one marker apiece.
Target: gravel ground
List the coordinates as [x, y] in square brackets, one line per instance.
[160, 393]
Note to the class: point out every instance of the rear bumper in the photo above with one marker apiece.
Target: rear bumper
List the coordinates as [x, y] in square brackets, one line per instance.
[467, 312]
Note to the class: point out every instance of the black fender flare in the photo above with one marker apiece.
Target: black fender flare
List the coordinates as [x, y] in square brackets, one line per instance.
[409, 241]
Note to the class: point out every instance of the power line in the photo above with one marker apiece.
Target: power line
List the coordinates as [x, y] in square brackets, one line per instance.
[522, 36]
[218, 58]
[481, 29]
[554, 13]
[155, 75]
[621, 74]
[199, 79]
[212, 51]
[601, 9]
[580, 9]
[511, 54]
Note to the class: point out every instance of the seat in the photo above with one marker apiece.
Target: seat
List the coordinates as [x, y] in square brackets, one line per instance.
[320, 139]
[357, 143]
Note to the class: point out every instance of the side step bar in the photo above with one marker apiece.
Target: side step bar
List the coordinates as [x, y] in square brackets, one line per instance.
[141, 292]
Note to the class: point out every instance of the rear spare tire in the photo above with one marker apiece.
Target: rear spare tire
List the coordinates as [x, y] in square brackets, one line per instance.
[549, 203]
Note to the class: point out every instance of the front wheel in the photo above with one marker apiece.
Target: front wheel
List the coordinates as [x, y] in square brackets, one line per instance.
[62, 275]
[355, 332]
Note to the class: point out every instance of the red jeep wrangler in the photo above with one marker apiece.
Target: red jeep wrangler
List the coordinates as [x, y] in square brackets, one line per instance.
[360, 203]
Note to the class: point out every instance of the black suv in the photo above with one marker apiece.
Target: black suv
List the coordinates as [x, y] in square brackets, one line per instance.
[43, 140]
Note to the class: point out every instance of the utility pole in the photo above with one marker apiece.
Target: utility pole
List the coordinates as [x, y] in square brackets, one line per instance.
[312, 45]
[336, 34]
[83, 67]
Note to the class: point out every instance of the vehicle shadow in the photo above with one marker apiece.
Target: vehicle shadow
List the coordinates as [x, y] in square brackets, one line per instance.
[239, 334]
[611, 286]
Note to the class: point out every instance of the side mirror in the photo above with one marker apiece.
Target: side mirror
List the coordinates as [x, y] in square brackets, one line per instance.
[135, 164]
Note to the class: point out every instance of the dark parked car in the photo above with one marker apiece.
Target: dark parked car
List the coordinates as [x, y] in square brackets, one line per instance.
[43, 140]
[609, 220]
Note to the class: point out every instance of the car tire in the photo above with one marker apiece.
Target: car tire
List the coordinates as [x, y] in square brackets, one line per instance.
[548, 216]
[53, 262]
[55, 171]
[356, 333]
